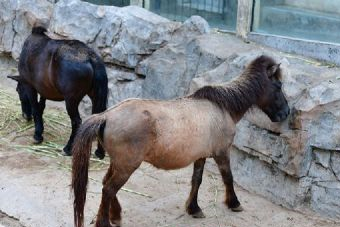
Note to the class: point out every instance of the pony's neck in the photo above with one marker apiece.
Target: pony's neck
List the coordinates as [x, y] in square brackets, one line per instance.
[244, 92]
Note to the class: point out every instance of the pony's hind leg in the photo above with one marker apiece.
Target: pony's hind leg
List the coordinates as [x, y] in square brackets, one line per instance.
[96, 108]
[223, 162]
[191, 205]
[72, 110]
[110, 209]
[115, 212]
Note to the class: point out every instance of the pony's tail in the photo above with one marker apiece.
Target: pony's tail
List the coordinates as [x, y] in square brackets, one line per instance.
[100, 86]
[81, 150]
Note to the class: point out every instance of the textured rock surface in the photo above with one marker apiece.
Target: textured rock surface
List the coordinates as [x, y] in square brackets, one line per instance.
[122, 35]
[16, 20]
[295, 163]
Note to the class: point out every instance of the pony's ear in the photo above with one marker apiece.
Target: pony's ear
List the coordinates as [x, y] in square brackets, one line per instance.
[273, 69]
[16, 78]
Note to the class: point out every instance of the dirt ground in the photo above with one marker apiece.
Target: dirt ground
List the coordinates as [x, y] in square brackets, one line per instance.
[35, 191]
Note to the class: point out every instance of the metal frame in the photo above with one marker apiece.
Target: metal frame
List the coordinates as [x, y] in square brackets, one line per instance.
[319, 50]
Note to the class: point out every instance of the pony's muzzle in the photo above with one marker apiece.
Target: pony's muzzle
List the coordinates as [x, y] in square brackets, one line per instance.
[282, 115]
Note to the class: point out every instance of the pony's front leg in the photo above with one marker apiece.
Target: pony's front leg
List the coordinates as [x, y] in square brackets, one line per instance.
[72, 110]
[37, 111]
[191, 205]
[39, 123]
[223, 161]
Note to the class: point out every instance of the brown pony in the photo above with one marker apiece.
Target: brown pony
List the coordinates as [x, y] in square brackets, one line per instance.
[173, 134]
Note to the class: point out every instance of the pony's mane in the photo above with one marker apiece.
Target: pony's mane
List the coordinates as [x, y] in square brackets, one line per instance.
[39, 30]
[241, 93]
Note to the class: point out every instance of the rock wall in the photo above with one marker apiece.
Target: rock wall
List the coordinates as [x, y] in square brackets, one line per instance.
[295, 163]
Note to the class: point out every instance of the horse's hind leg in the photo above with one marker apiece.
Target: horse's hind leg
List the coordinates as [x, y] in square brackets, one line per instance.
[100, 152]
[191, 204]
[110, 209]
[223, 162]
[72, 110]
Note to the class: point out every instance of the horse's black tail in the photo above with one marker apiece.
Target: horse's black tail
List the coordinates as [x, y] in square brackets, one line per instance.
[88, 131]
[100, 86]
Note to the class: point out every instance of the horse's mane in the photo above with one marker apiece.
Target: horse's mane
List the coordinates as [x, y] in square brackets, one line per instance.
[241, 93]
[39, 30]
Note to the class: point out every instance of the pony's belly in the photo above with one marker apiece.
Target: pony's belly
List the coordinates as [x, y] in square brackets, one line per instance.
[51, 94]
[166, 165]
[170, 159]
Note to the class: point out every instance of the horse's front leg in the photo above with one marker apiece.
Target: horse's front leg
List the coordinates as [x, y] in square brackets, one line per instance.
[223, 161]
[72, 110]
[37, 111]
[191, 205]
[39, 127]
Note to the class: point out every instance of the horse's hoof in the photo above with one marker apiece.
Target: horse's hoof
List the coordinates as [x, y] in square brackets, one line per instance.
[25, 116]
[103, 224]
[237, 209]
[66, 151]
[198, 214]
[37, 139]
[116, 223]
[100, 154]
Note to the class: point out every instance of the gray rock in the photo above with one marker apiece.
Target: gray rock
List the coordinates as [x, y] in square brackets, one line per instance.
[122, 35]
[325, 199]
[16, 21]
[319, 173]
[77, 20]
[335, 163]
[322, 157]
[7, 16]
[267, 180]
[164, 72]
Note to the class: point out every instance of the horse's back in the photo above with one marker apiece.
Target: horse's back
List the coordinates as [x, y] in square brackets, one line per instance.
[57, 68]
[168, 134]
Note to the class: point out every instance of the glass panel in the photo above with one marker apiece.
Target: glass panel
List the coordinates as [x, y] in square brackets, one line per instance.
[119, 3]
[306, 19]
[219, 13]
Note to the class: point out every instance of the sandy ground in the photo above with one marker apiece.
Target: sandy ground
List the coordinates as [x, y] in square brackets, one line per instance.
[35, 191]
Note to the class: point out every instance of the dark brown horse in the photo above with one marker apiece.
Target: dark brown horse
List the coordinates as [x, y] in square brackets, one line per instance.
[173, 134]
[59, 70]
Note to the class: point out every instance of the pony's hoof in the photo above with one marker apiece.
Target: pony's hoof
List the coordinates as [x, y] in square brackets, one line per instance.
[116, 223]
[37, 139]
[237, 209]
[27, 117]
[64, 153]
[198, 214]
[67, 151]
[100, 154]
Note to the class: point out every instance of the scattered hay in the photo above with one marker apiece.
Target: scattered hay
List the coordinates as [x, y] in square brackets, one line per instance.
[13, 125]
[17, 133]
